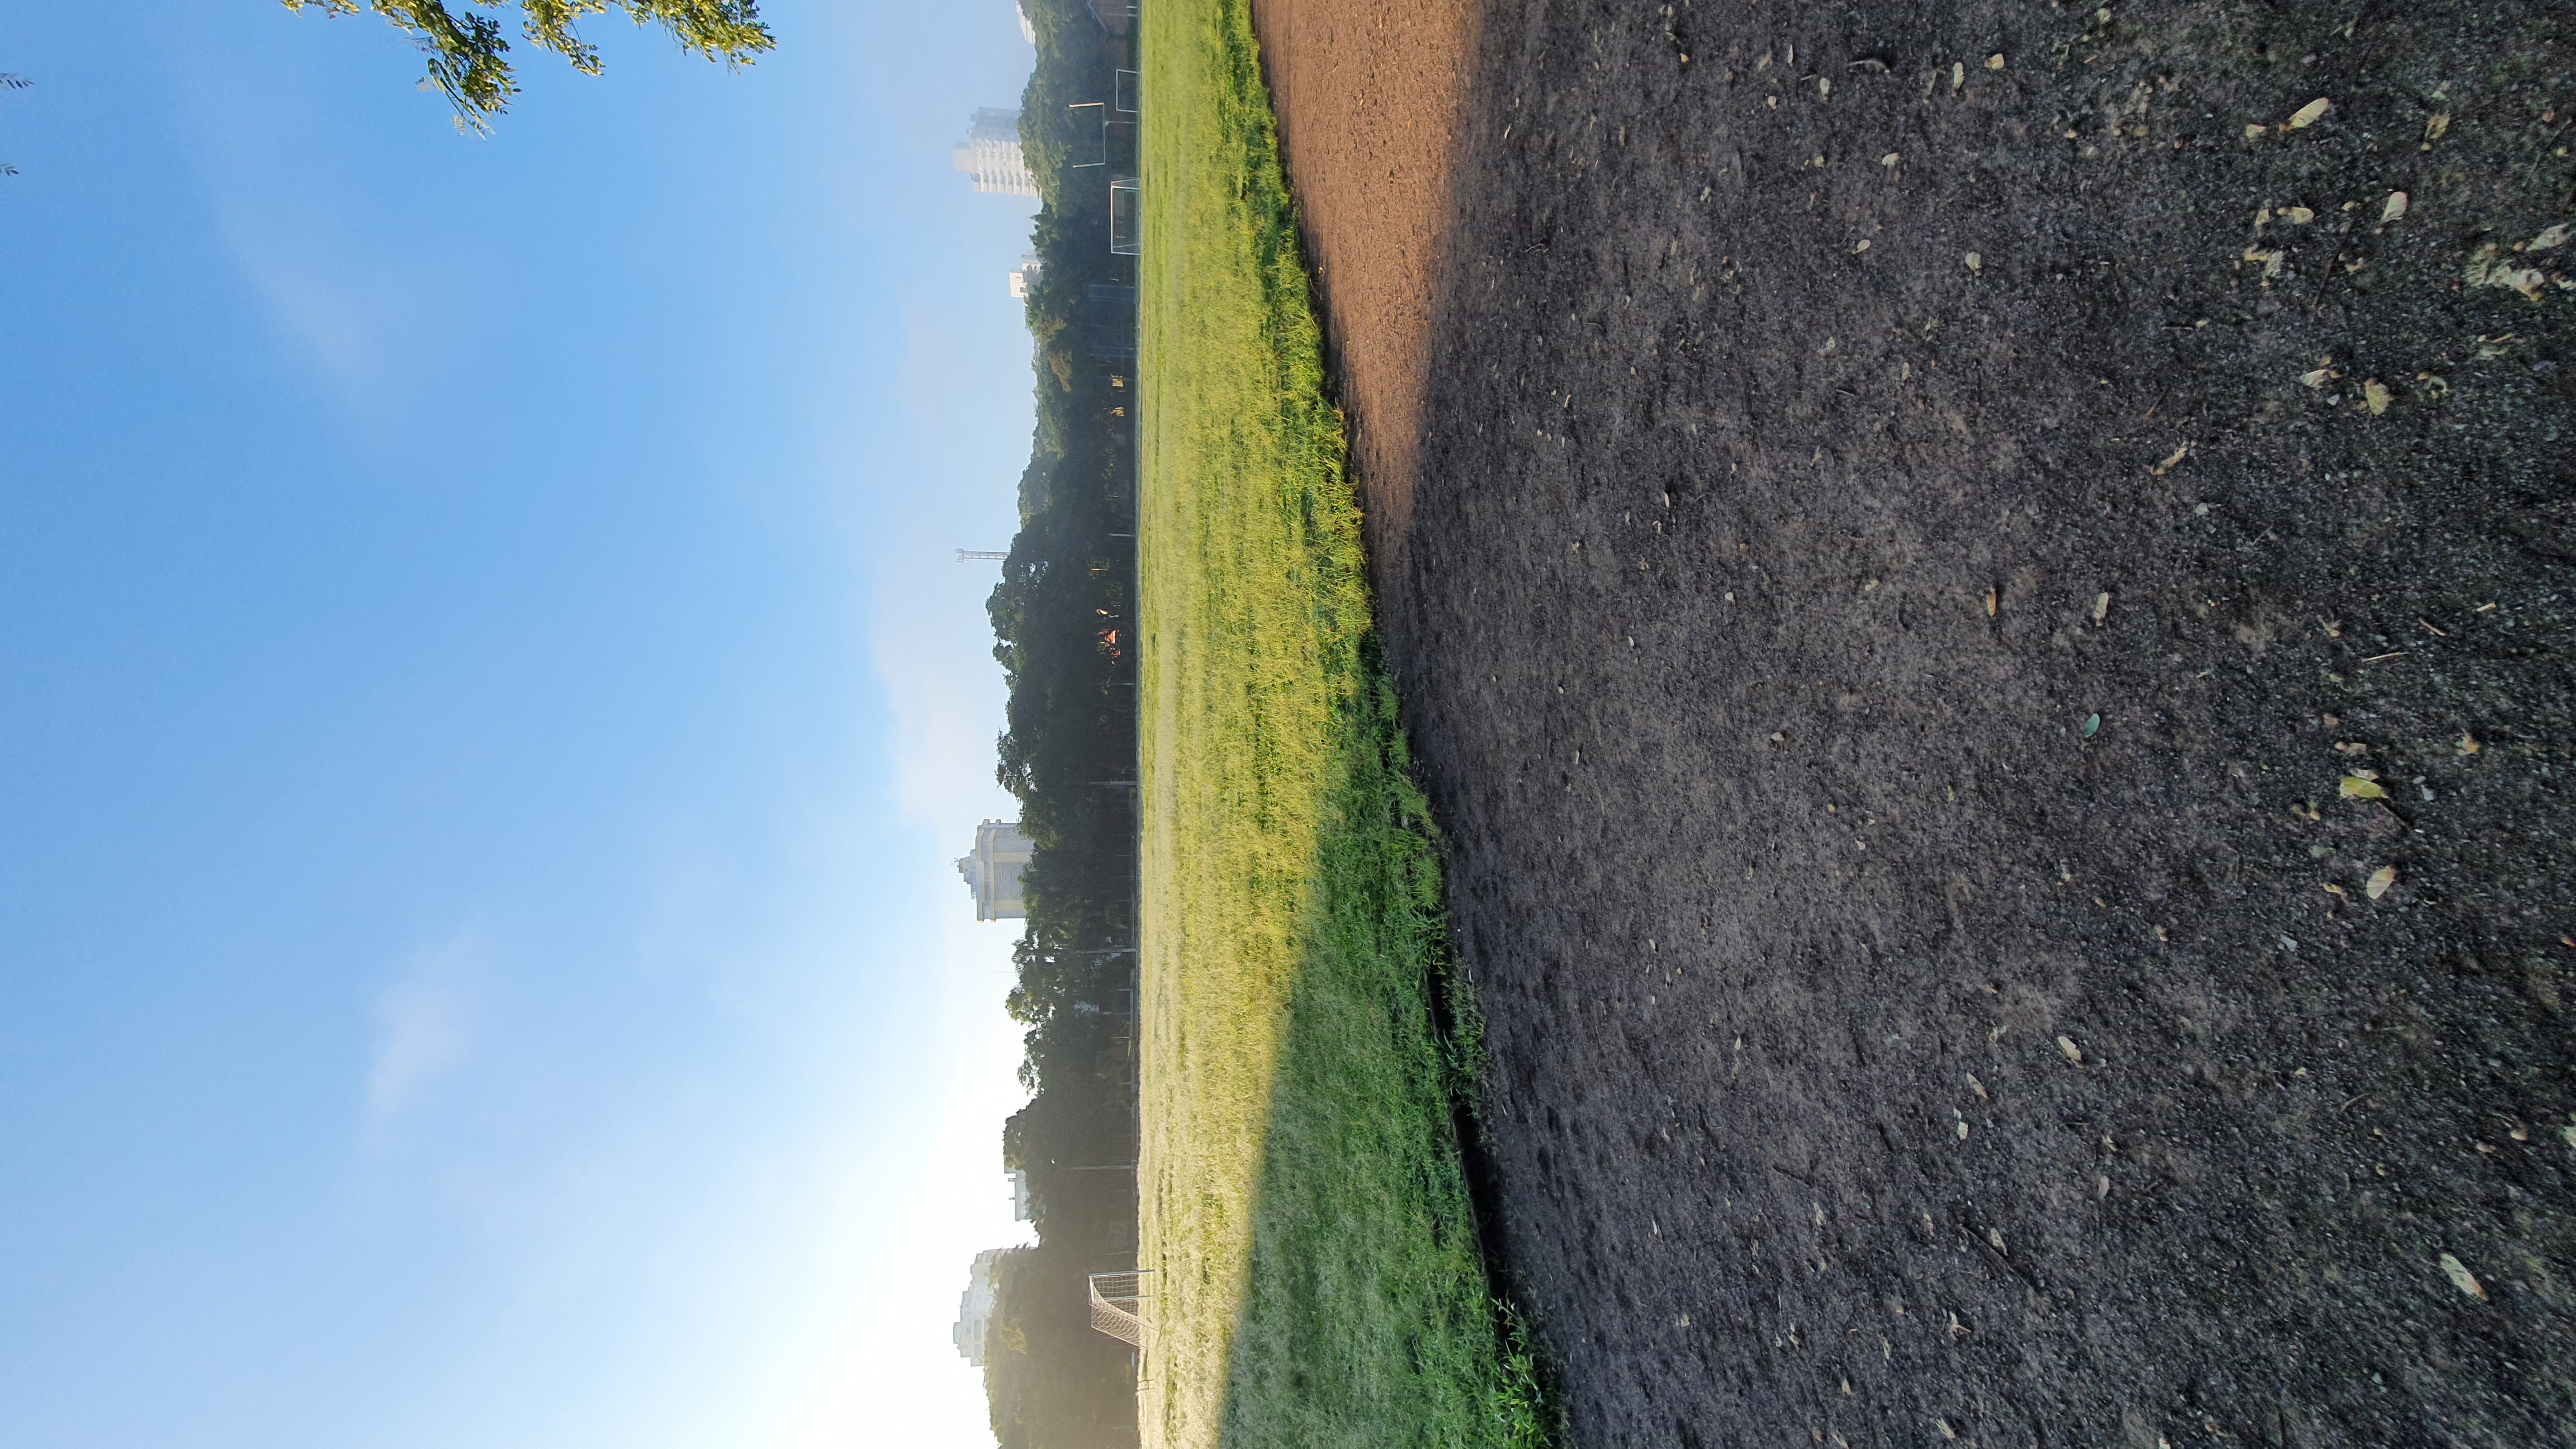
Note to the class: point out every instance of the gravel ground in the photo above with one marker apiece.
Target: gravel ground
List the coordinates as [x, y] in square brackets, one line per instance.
[1992, 644]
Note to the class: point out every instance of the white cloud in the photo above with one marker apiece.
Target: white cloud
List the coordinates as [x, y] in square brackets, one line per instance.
[352, 294]
[421, 1023]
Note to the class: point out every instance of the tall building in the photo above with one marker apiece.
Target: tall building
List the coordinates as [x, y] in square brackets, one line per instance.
[1026, 276]
[992, 870]
[991, 154]
[975, 1307]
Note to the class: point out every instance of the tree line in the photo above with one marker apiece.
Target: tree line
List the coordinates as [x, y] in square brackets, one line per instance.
[1063, 621]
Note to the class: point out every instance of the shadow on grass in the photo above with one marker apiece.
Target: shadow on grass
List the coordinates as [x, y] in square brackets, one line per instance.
[1370, 1314]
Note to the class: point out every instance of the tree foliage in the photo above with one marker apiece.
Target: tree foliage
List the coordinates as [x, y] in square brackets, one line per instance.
[1064, 631]
[1051, 1380]
[469, 55]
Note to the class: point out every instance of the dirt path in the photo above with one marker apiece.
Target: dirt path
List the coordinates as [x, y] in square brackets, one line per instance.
[1369, 98]
[1907, 561]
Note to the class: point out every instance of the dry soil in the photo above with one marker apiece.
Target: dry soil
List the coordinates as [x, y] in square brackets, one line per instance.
[1991, 642]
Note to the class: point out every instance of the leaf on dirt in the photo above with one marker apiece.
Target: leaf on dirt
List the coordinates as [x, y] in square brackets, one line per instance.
[2374, 396]
[2309, 114]
[2271, 260]
[2351, 747]
[2461, 1278]
[1978, 1087]
[2468, 744]
[1975, 262]
[2171, 460]
[2485, 269]
[1887, 160]
[2393, 208]
[2297, 215]
[2073, 1053]
[2356, 788]
[2253, 131]
[1958, 74]
[1991, 601]
[2526, 280]
[1996, 1237]
[2101, 606]
[2092, 725]
[2552, 239]
[2380, 880]
[2318, 378]
[2437, 127]
[1995, 61]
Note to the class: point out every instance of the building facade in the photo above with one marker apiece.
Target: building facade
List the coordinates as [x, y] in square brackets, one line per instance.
[991, 154]
[975, 1307]
[992, 870]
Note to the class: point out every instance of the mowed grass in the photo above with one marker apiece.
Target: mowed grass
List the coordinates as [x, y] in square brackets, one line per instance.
[1319, 1280]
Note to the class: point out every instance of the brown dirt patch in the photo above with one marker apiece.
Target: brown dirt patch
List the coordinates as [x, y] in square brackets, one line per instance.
[1368, 95]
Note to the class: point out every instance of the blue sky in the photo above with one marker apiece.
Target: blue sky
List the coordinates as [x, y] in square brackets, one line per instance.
[486, 709]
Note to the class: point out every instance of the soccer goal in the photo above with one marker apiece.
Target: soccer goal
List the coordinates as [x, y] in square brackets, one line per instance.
[1118, 1306]
[1089, 145]
[1126, 217]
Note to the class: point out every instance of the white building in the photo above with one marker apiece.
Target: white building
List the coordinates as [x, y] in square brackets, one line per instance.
[1021, 1207]
[992, 870]
[991, 154]
[1026, 276]
[975, 1307]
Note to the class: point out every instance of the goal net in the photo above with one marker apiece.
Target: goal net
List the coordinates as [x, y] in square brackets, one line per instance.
[1117, 1306]
[1126, 216]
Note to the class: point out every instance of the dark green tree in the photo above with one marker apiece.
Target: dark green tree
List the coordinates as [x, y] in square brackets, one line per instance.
[468, 55]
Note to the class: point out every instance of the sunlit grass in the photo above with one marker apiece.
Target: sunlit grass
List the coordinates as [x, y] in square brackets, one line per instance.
[1319, 1281]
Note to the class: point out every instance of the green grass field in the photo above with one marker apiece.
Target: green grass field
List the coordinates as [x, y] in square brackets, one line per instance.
[1319, 1281]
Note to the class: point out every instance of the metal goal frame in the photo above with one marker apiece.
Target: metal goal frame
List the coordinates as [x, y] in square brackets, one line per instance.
[1117, 1305]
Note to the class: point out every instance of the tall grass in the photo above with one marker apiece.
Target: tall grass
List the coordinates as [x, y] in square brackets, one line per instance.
[1319, 1277]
